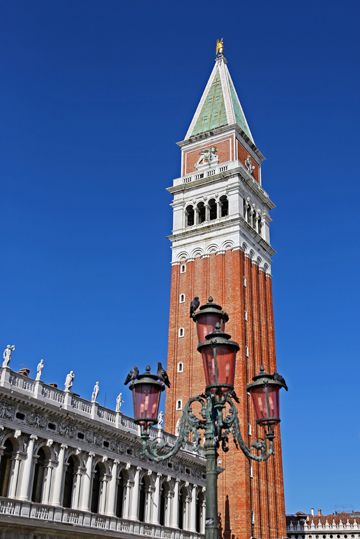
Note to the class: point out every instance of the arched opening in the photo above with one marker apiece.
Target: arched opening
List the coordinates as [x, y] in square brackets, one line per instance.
[142, 499]
[182, 507]
[120, 493]
[96, 484]
[201, 212]
[259, 225]
[39, 476]
[190, 214]
[5, 468]
[164, 496]
[69, 482]
[212, 209]
[224, 206]
[199, 510]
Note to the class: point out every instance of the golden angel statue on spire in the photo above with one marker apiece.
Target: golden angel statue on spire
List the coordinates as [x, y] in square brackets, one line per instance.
[219, 46]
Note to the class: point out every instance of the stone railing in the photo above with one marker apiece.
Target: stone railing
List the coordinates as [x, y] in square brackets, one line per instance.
[68, 401]
[213, 171]
[34, 512]
[321, 525]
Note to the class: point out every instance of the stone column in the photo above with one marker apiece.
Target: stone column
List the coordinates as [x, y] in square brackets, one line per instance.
[218, 209]
[156, 501]
[28, 464]
[207, 212]
[192, 515]
[75, 501]
[175, 506]
[148, 500]
[48, 480]
[59, 476]
[14, 476]
[112, 487]
[86, 484]
[168, 504]
[127, 497]
[186, 517]
[203, 514]
[134, 509]
[103, 493]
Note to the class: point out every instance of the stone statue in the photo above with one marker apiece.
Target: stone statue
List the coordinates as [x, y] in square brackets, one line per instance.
[207, 157]
[7, 354]
[69, 380]
[248, 164]
[39, 369]
[119, 402]
[219, 46]
[95, 392]
[160, 420]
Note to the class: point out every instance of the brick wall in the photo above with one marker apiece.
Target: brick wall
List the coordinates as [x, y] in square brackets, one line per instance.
[222, 276]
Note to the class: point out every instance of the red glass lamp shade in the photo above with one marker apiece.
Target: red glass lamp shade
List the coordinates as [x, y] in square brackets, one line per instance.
[146, 393]
[207, 317]
[264, 391]
[219, 359]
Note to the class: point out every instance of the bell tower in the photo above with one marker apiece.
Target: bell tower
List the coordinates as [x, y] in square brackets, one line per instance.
[221, 248]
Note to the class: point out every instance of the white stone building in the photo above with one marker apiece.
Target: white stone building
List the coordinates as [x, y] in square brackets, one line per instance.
[72, 468]
[334, 526]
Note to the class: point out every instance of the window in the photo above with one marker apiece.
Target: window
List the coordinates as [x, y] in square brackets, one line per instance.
[201, 212]
[224, 206]
[212, 209]
[182, 298]
[180, 366]
[181, 332]
[245, 316]
[249, 429]
[189, 213]
[247, 351]
[245, 282]
[183, 268]
[252, 517]
[179, 404]
[251, 471]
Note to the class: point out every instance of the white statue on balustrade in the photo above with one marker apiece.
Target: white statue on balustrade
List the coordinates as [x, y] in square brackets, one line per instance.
[95, 392]
[39, 369]
[119, 403]
[7, 353]
[69, 380]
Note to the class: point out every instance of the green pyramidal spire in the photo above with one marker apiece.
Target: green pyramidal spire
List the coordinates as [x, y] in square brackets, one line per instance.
[219, 105]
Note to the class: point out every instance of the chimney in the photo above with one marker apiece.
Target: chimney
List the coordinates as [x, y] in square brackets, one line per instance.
[319, 513]
[312, 512]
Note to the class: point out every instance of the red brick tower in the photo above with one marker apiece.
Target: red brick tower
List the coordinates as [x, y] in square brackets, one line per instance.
[221, 247]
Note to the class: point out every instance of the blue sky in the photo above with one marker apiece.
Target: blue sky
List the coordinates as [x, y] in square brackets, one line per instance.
[93, 97]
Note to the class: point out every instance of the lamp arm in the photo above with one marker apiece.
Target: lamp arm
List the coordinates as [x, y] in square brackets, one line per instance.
[189, 424]
[231, 424]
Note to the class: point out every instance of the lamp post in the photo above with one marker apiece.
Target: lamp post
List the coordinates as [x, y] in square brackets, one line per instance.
[218, 416]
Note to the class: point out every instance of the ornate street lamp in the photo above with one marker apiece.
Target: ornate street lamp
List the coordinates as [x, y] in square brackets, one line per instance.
[218, 417]
[219, 357]
[264, 391]
[146, 389]
[207, 317]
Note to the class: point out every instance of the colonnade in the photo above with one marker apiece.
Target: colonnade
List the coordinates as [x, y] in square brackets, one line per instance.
[206, 211]
[46, 472]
